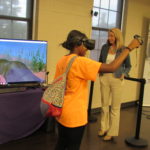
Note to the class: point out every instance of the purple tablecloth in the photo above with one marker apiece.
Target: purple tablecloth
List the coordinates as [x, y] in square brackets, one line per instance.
[20, 114]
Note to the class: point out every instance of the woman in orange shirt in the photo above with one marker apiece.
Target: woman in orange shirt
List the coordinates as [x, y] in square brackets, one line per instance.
[73, 119]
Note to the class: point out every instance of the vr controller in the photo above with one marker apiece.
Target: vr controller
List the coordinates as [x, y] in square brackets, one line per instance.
[139, 38]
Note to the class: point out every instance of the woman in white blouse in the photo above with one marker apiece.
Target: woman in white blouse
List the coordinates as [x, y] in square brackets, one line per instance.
[111, 85]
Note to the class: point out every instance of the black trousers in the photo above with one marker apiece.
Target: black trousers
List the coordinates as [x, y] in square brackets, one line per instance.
[69, 138]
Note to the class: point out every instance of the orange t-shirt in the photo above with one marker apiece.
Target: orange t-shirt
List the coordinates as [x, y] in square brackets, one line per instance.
[74, 111]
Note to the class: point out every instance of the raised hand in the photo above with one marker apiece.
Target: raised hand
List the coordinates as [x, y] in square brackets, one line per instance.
[135, 43]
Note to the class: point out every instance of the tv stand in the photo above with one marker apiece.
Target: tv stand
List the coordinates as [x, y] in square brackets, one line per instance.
[10, 90]
[18, 87]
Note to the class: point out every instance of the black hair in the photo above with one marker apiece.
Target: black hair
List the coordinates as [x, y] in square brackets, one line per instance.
[74, 39]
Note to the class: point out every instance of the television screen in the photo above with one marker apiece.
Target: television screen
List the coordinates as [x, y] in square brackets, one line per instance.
[22, 61]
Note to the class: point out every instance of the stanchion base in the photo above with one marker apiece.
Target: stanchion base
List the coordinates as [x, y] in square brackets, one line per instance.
[92, 119]
[132, 141]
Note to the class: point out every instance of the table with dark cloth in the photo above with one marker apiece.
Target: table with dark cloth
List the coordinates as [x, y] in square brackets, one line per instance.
[20, 114]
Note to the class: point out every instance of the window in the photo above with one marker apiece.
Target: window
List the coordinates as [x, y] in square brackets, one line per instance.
[16, 19]
[106, 14]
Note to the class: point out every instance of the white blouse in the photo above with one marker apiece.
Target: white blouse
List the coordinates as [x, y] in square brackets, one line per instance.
[110, 58]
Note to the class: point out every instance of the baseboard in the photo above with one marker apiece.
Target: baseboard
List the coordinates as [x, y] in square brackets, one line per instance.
[123, 105]
[95, 110]
[129, 104]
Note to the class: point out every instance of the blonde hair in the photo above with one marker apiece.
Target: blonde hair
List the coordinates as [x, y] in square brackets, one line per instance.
[119, 38]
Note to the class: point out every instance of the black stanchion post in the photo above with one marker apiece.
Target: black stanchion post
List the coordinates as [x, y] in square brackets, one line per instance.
[91, 118]
[140, 109]
[137, 141]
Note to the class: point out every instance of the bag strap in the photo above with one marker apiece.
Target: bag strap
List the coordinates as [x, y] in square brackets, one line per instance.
[70, 63]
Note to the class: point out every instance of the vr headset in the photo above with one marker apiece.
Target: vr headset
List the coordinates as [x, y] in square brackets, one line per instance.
[89, 43]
